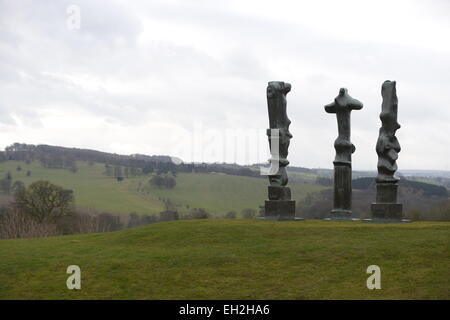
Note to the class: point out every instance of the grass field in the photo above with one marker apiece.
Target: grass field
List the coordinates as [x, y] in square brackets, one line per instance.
[91, 187]
[217, 193]
[221, 193]
[234, 259]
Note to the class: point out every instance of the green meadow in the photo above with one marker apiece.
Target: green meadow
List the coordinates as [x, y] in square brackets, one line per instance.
[217, 193]
[234, 259]
[91, 187]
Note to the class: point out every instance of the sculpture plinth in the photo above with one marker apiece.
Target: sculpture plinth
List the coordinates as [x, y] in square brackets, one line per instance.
[279, 206]
[342, 199]
[386, 208]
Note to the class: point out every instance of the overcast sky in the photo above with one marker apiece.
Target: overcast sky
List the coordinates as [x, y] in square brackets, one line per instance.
[185, 78]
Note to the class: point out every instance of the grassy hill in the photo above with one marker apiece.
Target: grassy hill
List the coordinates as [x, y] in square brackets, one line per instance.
[92, 188]
[234, 259]
[218, 193]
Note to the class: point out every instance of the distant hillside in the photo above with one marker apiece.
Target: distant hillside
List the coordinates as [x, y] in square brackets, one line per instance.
[426, 173]
[215, 192]
[427, 188]
[62, 157]
[24, 152]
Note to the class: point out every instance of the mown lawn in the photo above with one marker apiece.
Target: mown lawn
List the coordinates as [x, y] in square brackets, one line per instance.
[234, 259]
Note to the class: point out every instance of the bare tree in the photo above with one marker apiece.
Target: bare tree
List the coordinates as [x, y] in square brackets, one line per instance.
[43, 200]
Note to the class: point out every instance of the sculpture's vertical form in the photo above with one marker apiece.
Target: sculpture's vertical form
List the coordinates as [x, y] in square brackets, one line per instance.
[342, 106]
[279, 206]
[388, 147]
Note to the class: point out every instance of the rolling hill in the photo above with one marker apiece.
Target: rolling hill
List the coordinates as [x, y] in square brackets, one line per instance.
[234, 259]
[217, 193]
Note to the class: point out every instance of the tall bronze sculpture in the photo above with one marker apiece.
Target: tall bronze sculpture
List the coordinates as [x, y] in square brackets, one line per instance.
[388, 147]
[279, 206]
[342, 106]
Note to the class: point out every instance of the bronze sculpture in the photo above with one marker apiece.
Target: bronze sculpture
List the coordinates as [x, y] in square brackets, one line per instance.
[279, 206]
[388, 147]
[342, 106]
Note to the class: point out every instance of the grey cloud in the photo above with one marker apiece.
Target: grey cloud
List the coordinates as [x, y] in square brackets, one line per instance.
[185, 83]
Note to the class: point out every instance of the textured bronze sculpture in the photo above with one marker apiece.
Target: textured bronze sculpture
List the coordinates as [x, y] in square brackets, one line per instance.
[388, 147]
[279, 206]
[342, 106]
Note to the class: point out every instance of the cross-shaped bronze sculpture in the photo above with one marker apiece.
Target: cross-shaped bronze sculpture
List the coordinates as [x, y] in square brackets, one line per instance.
[342, 106]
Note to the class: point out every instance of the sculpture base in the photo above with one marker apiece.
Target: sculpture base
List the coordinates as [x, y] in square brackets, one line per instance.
[387, 211]
[341, 219]
[277, 219]
[387, 220]
[341, 214]
[279, 210]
